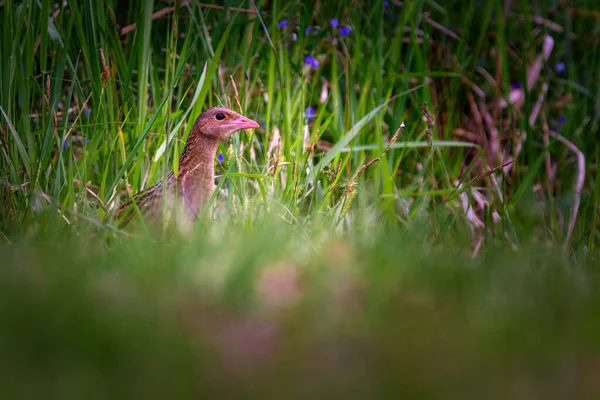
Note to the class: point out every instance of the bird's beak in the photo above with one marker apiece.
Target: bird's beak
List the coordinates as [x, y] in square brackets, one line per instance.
[243, 123]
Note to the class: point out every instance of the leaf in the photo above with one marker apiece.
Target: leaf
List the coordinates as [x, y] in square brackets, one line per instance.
[20, 147]
[175, 131]
[352, 133]
[244, 175]
[408, 145]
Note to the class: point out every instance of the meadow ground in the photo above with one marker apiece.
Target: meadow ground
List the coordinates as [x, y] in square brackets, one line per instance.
[418, 214]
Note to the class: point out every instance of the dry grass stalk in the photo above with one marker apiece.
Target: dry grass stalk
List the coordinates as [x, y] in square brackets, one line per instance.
[440, 27]
[4, 135]
[387, 149]
[105, 73]
[490, 172]
[47, 93]
[578, 185]
[430, 121]
[236, 95]
[167, 10]
[533, 71]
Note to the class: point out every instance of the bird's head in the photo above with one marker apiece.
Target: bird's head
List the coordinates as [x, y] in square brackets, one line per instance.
[219, 123]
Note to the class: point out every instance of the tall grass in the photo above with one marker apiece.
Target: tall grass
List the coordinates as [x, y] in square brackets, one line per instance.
[80, 135]
[498, 155]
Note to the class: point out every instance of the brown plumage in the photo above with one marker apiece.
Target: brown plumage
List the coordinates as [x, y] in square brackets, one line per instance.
[195, 182]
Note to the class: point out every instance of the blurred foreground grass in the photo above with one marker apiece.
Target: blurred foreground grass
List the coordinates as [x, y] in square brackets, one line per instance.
[266, 315]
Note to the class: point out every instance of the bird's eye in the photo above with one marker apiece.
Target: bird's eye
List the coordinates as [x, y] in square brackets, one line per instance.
[220, 116]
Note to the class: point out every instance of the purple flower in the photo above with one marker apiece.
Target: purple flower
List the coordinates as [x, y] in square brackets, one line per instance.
[345, 31]
[562, 120]
[334, 23]
[65, 145]
[221, 157]
[308, 31]
[87, 112]
[283, 24]
[86, 141]
[386, 4]
[309, 113]
[311, 61]
[515, 85]
[560, 68]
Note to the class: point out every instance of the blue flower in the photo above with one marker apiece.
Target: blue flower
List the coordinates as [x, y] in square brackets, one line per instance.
[308, 31]
[386, 4]
[87, 112]
[311, 61]
[309, 113]
[562, 120]
[560, 68]
[345, 31]
[65, 145]
[283, 24]
[515, 85]
[221, 157]
[334, 23]
[86, 141]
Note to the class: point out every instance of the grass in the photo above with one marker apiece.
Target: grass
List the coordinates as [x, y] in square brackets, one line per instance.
[456, 258]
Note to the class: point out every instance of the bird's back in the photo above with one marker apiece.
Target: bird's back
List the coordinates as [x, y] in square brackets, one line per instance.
[149, 202]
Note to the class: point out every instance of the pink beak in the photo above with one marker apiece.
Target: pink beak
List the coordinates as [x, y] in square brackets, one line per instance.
[244, 123]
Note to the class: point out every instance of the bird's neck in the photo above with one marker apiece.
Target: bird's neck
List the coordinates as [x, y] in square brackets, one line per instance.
[196, 177]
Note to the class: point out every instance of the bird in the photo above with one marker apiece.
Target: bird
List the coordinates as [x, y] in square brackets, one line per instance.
[194, 184]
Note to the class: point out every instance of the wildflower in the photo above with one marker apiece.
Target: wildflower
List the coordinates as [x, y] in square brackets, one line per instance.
[308, 30]
[311, 61]
[86, 141]
[65, 145]
[221, 157]
[515, 85]
[562, 120]
[386, 4]
[294, 37]
[345, 31]
[309, 113]
[283, 24]
[87, 112]
[334, 23]
[560, 68]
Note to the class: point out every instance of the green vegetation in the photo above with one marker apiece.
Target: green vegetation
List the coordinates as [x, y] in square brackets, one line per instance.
[343, 254]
